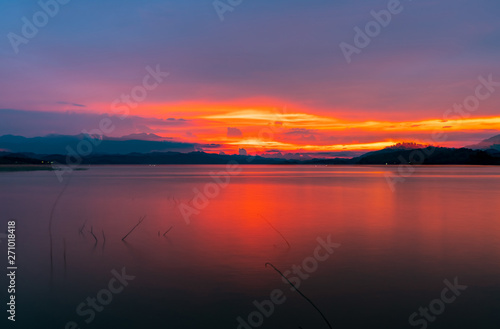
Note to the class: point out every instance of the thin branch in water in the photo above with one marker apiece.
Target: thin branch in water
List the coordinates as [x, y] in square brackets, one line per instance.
[296, 289]
[168, 230]
[80, 231]
[274, 228]
[92, 232]
[50, 224]
[133, 228]
[104, 239]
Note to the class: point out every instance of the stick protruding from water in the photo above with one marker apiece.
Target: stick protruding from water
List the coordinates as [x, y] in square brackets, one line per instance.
[296, 289]
[167, 231]
[133, 228]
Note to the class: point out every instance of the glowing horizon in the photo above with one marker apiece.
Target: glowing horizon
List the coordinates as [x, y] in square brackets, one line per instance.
[268, 86]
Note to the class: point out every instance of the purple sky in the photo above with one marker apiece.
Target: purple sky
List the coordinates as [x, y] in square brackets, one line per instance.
[281, 53]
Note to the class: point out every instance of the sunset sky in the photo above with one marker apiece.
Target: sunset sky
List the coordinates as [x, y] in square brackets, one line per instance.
[270, 77]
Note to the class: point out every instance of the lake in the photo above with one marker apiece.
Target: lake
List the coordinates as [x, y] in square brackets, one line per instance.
[364, 254]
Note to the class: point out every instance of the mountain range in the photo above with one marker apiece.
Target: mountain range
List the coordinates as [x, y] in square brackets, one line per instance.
[490, 143]
[59, 144]
[153, 149]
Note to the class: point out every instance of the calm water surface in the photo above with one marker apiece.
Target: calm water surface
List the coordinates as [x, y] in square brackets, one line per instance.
[396, 247]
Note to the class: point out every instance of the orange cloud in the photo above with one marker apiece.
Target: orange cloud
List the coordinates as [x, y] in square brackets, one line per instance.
[268, 127]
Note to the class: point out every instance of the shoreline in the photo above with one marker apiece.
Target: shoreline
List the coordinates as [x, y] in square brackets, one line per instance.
[24, 167]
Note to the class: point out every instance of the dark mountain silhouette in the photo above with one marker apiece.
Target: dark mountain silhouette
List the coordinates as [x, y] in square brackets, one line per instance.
[19, 160]
[59, 144]
[490, 143]
[406, 146]
[54, 148]
[140, 158]
[425, 156]
[430, 156]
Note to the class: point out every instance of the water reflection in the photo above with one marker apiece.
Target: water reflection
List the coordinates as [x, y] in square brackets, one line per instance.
[397, 247]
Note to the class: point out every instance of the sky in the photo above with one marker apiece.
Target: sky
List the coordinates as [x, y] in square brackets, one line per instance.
[267, 76]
